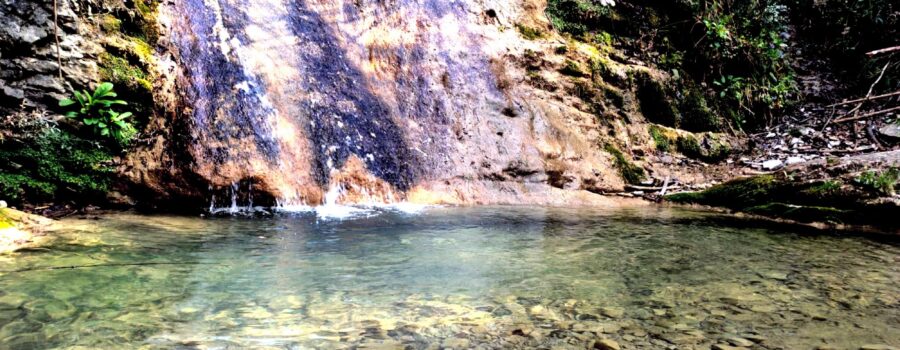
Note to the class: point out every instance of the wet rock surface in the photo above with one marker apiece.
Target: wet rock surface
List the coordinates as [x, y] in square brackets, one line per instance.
[29, 68]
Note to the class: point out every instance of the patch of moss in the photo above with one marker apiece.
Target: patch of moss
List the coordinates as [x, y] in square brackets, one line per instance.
[530, 33]
[717, 150]
[110, 24]
[661, 139]
[696, 115]
[823, 191]
[145, 24]
[737, 194]
[799, 212]
[573, 68]
[121, 72]
[602, 68]
[784, 197]
[603, 38]
[689, 146]
[631, 173]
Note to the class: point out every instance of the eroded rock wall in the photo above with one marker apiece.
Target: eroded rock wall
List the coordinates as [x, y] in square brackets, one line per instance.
[30, 73]
[432, 98]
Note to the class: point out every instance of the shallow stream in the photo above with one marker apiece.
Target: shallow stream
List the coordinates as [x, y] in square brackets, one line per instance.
[496, 277]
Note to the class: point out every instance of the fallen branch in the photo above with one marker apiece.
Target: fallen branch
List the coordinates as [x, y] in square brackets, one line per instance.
[883, 111]
[881, 51]
[665, 187]
[855, 110]
[895, 93]
[48, 268]
[649, 188]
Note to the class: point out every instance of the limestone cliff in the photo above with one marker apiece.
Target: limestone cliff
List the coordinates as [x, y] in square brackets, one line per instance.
[266, 101]
[434, 101]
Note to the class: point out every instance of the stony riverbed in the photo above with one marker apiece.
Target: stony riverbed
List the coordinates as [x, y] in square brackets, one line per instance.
[641, 278]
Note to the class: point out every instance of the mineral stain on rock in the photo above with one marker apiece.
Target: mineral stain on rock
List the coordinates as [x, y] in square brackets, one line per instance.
[283, 94]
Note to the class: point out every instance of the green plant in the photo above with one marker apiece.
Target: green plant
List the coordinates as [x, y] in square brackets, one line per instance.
[880, 181]
[737, 51]
[577, 16]
[96, 110]
[52, 164]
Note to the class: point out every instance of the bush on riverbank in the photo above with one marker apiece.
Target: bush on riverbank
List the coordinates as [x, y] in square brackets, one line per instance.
[728, 58]
[732, 60]
[47, 162]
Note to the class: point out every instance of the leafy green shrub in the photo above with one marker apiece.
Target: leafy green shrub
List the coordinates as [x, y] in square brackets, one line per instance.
[737, 49]
[577, 16]
[53, 165]
[96, 110]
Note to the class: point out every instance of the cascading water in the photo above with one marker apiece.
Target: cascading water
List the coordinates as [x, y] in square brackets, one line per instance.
[382, 100]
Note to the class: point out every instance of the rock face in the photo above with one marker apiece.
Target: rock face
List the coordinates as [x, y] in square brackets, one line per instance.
[275, 101]
[29, 69]
[436, 101]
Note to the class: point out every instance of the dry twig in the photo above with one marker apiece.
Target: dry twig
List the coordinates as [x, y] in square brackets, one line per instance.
[883, 111]
[884, 50]
[895, 93]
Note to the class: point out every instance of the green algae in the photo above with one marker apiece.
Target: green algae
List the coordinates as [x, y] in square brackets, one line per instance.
[5, 220]
[530, 33]
[736, 194]
[783, 196]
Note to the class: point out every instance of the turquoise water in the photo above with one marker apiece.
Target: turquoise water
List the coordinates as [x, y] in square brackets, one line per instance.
[492, 277]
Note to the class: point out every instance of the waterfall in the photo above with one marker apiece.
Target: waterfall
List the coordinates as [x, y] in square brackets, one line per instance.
[275, 96]
[377, 99]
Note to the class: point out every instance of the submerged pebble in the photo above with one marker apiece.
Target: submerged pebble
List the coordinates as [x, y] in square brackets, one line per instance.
[603, 281]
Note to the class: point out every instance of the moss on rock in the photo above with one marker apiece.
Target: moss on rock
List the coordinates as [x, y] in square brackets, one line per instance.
[800, 212]
[530, 33]
[631, 173]
[736, 194]
[785, 196]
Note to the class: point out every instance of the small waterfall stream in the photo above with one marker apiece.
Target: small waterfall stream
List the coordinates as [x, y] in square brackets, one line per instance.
[319, 102]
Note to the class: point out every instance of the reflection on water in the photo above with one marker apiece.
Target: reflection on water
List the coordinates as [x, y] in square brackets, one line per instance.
[452, 277]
